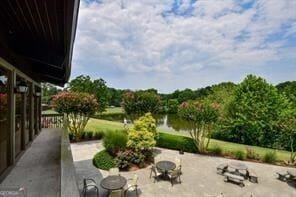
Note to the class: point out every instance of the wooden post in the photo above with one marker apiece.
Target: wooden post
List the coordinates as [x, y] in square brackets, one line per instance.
[12, 118]
[23, 122]
[31, 113]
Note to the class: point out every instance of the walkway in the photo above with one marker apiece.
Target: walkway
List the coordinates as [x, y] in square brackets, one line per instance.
[38, 170]
[199, 176]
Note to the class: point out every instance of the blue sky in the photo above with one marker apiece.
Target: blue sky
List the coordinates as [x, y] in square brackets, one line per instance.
[178, 44]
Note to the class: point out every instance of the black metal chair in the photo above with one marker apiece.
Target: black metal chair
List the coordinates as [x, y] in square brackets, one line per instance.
[132, 185]
[155, 172]
[175, 175]
[88, 185]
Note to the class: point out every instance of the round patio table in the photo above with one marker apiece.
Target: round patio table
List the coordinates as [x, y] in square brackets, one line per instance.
[237, 166]
[165, 166]
[113, 182]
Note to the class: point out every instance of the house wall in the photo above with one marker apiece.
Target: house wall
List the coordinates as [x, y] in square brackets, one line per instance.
[19, 115]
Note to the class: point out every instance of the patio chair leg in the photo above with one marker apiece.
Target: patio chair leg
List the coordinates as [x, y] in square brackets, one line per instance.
[97, 192]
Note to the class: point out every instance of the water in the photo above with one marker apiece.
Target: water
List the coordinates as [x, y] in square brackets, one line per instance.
[165, 122]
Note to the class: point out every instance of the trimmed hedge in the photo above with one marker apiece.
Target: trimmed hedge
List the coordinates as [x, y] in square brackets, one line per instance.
[176, 142]
[103, 160]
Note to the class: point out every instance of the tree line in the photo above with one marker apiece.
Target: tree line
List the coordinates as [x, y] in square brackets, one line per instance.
[252, 112]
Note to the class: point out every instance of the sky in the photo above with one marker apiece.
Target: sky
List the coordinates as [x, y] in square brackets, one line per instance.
[178, 44]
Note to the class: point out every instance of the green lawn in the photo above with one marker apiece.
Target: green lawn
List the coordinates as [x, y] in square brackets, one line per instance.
[114, 110]
[49, 111]
[103, 125]
[109, 110]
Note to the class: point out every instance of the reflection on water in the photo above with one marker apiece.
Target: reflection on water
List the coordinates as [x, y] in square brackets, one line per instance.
[167, 122]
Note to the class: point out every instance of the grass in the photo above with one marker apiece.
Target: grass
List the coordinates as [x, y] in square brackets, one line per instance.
[109, 110]
[114, 110]
[103, 125]
[49, 111]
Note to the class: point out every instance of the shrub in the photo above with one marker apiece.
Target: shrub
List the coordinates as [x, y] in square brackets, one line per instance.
[139, 140]
[270, 157]
[99, 135]
[239, 154]
[115, 141]
[123, 159]
[142, 135]
[103, 160]
[89, 134]
[71, 137]
[216, 150]
[82, 136]
[137, 158]
[176, 142]
[148, 154]
[251, 154]
[146, 122]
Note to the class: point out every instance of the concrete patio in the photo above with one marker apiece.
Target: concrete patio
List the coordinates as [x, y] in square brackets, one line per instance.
[38, 169]
[199, 176]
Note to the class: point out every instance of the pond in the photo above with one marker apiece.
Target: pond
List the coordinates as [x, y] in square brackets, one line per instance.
[165, 122]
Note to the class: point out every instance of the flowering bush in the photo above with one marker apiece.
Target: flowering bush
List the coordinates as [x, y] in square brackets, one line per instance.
[140, 102]
[78, 107]
[203, 115]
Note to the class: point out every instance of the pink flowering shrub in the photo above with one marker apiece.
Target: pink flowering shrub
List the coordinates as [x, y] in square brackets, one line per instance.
[78, 107]
[203, 116]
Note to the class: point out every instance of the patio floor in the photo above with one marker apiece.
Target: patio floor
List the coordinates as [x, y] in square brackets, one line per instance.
[199, 176]
[38, 170]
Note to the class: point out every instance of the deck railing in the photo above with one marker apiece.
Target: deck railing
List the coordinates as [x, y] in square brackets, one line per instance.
[52, 120]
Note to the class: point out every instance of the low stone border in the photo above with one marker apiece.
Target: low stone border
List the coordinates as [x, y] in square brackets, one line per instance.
[69, 186]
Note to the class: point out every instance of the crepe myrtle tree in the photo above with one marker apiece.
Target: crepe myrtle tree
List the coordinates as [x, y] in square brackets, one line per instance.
[140, 102]
[203, 115]
[77, 107]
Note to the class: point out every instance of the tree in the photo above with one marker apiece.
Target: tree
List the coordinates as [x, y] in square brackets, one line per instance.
[172, 106]
[203, 115]
[254, 112]
[77, 107]
[115, 97]
[223, 94]
[288, 126]
[140, 102]
[186, 95]
[289, 89]
[48, 91]
[96, 87]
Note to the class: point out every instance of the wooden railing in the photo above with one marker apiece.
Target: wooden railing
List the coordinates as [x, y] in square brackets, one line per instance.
[52, 120]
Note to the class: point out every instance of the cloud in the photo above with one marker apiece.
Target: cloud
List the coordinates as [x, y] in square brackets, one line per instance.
[154, 41]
